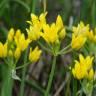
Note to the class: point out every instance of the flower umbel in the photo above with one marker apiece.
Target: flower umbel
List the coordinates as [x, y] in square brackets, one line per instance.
[52, 33]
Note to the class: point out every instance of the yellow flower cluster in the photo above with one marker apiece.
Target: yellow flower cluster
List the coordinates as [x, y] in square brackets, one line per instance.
[36, 25]
[19, 39]
[15, 44]
[83, 68]
[54, 32]
[50, 33]
[79, 35]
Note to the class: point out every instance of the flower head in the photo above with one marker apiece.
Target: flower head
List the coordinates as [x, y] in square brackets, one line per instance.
[81, 29]
[36, 25]
[79, 35]
[21, 42]
[34, 55]
[83, 68]
[52, 33]
[33, 33]
[77, 41]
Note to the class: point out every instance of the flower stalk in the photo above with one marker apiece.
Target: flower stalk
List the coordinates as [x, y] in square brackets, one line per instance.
[51, 77]
[23, 74]
[7, 81]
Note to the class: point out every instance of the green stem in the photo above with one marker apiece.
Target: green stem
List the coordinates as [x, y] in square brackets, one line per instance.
[23, 74]
[35, 86]
[51, 77]
[93, 12]
[33, 7]
[79, 93]
[7, 81]
[44, 2]
[88, 95]
[74, 87]
[65, 52]
[68, 28]
[65, 48]
[43, 47]
[24, 65]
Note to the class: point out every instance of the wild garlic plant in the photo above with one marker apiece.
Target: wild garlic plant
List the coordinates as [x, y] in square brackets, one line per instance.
[52, 36]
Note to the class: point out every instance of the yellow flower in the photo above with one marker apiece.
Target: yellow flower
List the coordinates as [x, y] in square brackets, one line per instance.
[17, 53]
[11, 35]
[59, 22]
[50, 34]
[78, 71]
[21, 42]
[34, 55]
[79, 35]
[36, 25]
[77, 41]
[42, 18]
[83, 68]
[60, 27]
[33, 33]
[81, 29]
[34, 19]
[3, 50]
[39, 21]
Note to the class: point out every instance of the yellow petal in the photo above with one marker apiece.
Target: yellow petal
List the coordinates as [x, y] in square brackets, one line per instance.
[59, 22]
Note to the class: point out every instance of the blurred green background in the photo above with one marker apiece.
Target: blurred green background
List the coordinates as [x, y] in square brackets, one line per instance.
[15, 13]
